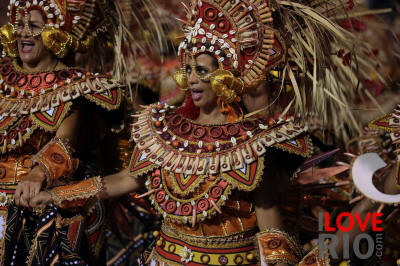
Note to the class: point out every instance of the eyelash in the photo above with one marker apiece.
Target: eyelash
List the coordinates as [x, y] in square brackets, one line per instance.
[199, 69]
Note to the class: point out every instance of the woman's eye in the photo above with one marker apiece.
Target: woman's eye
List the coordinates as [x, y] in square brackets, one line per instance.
[188, 69]
[34, 26]
[202, 70]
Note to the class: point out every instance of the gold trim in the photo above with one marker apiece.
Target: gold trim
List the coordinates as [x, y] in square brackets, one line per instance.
[77, 193]
[181, 219]
[120, 96]
[238, 217]
[372, 124]
[226, 241]
[308, 143]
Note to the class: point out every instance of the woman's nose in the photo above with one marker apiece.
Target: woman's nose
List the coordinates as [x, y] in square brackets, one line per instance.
[192, 78]
[25, 32]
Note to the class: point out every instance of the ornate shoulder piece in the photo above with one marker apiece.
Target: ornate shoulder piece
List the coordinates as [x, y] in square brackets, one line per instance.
[276, 246]
[24, 93]
[170, 141]
[56, 160]
[301, 146]
[381, 123]
[83, 194]
[140, 164]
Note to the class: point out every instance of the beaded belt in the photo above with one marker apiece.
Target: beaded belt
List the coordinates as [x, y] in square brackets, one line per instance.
[183, 249]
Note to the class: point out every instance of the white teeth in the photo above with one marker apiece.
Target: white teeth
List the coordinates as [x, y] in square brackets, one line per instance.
[27, 43]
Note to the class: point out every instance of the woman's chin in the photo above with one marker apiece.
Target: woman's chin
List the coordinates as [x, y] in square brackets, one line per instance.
[28, 59]
[198, 104]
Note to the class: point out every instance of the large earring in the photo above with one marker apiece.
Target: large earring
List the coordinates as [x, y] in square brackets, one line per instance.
[180, 79]
[60, 42]
[8, 40]
[226, 85]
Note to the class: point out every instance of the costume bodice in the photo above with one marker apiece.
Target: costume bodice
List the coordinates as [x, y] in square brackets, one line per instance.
[33, 106]
[196, 168]
[201, 177]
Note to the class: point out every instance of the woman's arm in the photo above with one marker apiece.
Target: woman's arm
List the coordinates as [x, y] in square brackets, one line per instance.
[79, 194]
[120, 184]
[32, 183]
[269, 219]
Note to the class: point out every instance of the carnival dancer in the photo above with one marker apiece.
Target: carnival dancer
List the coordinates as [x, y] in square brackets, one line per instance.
[212, 173]
[42, 113]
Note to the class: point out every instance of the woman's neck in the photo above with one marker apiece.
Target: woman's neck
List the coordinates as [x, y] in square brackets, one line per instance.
[211, 116]
[45, 64]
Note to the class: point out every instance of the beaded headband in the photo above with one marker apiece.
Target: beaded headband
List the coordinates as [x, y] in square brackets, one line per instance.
[80, 18]
[238, 33]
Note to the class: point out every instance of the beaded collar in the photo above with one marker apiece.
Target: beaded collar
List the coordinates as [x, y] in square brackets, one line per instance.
[183, 154]
[166, 137]
[29, 101]
[23, 93]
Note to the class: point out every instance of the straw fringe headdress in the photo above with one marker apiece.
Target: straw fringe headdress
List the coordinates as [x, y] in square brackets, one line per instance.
[303, 41]
[97, 28]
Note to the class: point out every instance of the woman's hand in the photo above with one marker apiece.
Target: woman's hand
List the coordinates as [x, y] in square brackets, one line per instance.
[43, 198]
[29, 187]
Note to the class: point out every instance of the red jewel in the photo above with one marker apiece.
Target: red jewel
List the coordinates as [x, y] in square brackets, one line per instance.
[271, 122]
[175, 143]
[186, 209]
[202, 205]
[160, 196]
[156, 181]
[216, 191]
[170, 206]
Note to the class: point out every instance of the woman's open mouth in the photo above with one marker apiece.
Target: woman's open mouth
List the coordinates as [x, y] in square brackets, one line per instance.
[196, 94]
[27, 46]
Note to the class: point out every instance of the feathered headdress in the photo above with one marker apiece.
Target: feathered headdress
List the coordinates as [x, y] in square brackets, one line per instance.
[303, 41]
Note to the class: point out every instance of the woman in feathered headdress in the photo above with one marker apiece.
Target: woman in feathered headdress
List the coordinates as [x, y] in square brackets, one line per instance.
[212, 171]
[44, 104]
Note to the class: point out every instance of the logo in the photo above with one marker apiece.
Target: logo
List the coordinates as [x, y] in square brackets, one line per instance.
[345, 222]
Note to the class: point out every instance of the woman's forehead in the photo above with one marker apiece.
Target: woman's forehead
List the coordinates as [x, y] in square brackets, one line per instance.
[33, 15]
[199, 59]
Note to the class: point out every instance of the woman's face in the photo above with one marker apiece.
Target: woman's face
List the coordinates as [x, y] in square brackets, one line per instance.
[30, 46]
[202, 94]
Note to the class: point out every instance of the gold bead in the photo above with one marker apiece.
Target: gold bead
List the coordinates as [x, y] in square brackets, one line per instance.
[398, 261]
[159, 242]
[156, 233]
[185, 255]
[250, 256]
